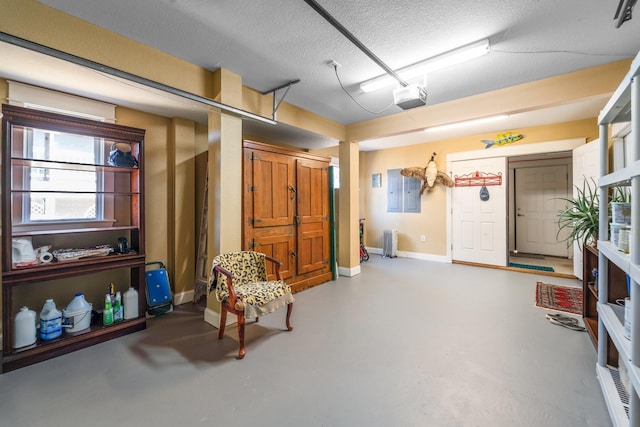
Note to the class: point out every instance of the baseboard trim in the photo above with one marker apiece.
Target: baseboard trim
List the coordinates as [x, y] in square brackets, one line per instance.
[349, 272]
[213, 318]
[413, 255]
[422, 256]
[183, 297]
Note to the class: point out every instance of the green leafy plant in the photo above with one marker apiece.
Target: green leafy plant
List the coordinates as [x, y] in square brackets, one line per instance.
[580, 217]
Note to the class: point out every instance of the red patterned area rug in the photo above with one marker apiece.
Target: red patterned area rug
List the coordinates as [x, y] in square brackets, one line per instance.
[558, 297]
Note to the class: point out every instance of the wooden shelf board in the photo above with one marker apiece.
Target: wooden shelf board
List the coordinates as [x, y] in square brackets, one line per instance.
[65, 344]
[66, 268]
[591, 324]
[593, 290]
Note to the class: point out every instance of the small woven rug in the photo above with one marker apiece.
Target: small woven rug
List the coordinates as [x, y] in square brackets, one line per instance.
[559, 297]
[531, 267]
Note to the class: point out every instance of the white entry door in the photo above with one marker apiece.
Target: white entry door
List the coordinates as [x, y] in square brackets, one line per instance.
[586, 166]
[479, 228]
[538, 196]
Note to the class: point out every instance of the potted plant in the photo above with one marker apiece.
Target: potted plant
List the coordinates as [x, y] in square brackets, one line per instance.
[580, 217]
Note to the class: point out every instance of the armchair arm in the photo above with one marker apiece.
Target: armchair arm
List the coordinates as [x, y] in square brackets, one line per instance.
[277, 264]
[232, 292]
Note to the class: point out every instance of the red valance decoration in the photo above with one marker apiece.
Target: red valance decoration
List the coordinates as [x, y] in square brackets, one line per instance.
[478, 179]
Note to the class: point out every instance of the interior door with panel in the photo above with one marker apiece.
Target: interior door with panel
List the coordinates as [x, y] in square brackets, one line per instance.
[539, 194]
[586, 166]
[312, 215]
[479, 227]
[272, 187]
[270, 207]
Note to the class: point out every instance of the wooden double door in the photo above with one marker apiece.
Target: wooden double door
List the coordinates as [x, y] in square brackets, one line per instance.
[286, 211]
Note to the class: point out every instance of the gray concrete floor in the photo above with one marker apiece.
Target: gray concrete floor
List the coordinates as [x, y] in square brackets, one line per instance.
[405, 343]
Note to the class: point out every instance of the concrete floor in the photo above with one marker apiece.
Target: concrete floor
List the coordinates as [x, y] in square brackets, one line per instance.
[405, 343]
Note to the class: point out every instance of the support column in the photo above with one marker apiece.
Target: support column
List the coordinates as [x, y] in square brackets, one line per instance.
[184, 230]
[349, 212]
[225, 179]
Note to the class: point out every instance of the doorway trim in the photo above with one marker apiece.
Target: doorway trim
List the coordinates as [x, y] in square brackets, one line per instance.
[511, 151]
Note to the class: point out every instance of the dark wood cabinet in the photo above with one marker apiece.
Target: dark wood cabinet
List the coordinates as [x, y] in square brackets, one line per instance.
[618, 291]
[61, 191]
[286, 211]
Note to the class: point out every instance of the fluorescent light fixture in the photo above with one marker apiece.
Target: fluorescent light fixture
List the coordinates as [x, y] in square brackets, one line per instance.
[467, 123]
[438, 62]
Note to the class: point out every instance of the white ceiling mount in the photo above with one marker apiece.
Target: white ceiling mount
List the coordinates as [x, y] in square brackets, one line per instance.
[438, 62]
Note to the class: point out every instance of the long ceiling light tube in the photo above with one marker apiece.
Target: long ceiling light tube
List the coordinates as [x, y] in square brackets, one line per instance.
[438, 62]
[467, 123]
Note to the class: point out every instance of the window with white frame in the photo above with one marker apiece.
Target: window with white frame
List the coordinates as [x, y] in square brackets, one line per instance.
[60, 194]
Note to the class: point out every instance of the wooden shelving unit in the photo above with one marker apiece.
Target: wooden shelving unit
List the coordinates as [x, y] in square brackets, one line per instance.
[118, 211]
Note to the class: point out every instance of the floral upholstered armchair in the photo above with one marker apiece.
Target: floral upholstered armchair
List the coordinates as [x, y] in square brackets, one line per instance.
[239, 281]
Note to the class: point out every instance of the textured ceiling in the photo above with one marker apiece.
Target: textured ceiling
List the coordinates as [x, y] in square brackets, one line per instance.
[271, 42]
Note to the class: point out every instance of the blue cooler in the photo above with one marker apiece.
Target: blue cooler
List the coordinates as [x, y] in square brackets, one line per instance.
[159, 296]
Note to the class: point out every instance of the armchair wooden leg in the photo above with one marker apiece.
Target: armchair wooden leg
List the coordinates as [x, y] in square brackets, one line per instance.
[223, 322]
[241, 335]
[289, 310]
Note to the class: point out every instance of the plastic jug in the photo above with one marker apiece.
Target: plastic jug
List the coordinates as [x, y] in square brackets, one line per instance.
[78, 303]
[130, 302]
[77, 315]
[25, 328]
[50, 321]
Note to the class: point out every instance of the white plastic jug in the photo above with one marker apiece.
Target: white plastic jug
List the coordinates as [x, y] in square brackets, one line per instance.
[77, 315]
[130, 302]
[50, 321]
[25, 328]
[78, 303]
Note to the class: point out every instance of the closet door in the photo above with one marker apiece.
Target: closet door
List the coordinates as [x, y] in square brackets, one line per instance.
[269, 207]
[272, 189]
[312, 215]
[278, 242]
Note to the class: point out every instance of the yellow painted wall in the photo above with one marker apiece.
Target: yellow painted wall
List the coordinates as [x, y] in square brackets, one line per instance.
[432, 220]
[156, 179]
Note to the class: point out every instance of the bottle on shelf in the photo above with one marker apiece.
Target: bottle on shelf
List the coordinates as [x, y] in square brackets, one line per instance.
[25, 328]
[130, 300]
[107, 314]
[118, 312]
[50, 321]
[112, 295]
